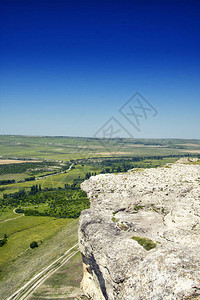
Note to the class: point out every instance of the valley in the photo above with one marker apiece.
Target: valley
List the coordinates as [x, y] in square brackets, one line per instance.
[41, 200]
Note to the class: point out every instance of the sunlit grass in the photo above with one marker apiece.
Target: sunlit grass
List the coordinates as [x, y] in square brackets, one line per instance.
[22, 231]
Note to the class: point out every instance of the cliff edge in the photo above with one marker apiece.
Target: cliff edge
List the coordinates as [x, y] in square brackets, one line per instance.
[140, 239]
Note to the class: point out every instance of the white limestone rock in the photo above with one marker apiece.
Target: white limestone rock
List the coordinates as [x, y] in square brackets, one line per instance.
[162, 205]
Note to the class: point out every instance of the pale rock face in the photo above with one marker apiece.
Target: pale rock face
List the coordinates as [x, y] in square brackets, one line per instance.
[162, 205]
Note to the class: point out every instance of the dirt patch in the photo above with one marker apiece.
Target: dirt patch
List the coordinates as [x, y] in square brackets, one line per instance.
[190, 151]
[146, 146]
[111, 152]
[16, 161]
[189, 145]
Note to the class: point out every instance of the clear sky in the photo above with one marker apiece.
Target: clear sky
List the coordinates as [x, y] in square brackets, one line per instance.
[66, 67]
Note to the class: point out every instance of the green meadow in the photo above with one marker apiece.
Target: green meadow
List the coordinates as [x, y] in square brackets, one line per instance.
[72, 148]
[53, 181]
[19, 262]
[22, 231]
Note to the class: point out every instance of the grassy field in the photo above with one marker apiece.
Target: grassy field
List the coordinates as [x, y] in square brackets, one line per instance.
[57, 236]
[17, 177]
[53, 181]
[70, 148]
[64, 283]
[7, 213]
[22, 231]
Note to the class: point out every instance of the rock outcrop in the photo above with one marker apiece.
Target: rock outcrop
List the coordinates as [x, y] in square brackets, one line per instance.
[140, 239]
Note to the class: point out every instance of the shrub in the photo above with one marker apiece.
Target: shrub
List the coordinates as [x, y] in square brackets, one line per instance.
[19, 210]
[2, 242]
[33, 244]
[30, 178]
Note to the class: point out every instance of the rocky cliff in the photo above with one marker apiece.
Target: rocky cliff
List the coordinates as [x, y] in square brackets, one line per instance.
[140, 239]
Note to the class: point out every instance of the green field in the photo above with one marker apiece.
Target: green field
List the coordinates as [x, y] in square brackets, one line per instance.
[53, 181]
[22, 231]
[7, 213]
[64, 283]
[57, 236]
[17, 177]
[71, 148]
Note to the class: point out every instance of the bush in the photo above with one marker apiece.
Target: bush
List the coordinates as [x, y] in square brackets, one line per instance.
[30, 178]
[19, 210]
[33, 244]
[2, 242]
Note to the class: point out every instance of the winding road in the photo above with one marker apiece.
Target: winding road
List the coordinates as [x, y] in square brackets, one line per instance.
[21, 215]
[42, 177]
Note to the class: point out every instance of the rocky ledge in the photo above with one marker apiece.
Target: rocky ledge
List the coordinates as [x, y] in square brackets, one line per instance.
[140, 239]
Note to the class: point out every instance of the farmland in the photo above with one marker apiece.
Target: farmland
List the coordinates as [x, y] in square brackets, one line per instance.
[71, 148]
[40, 196]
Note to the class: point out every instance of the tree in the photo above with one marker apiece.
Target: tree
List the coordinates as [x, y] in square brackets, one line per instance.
[33, 244]
[119, 169]
[3, 241]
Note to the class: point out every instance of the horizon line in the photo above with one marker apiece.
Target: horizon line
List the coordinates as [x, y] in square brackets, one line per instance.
[96, 138]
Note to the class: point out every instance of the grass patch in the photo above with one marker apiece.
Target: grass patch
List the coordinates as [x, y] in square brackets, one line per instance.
[147, 244]
[17, 177]
[7, 213]
[22, 231]
[20, 224]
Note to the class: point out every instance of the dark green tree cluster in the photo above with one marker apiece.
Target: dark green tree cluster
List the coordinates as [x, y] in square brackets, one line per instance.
[30, 178]
[89, 174]
[7, 181]
[35, 189]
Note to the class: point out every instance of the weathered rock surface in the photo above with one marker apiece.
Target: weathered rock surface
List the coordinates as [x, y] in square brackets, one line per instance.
[162, 205]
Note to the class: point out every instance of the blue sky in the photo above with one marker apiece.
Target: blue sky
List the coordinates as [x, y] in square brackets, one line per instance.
[66, 67]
